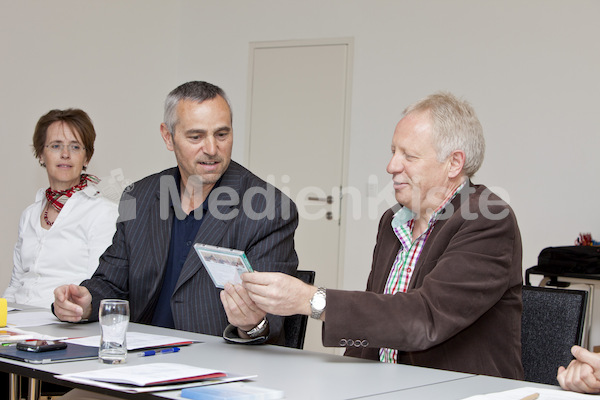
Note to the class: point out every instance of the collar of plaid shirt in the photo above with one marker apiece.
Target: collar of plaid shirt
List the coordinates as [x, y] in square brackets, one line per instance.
[406, 216]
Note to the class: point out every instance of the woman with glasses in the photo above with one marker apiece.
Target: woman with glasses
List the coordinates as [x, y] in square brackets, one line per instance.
[62, 234]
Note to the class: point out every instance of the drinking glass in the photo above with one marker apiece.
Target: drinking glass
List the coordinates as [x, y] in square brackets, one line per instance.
[114, 318]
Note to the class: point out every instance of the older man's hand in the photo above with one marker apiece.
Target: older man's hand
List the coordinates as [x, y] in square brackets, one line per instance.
[278, 293]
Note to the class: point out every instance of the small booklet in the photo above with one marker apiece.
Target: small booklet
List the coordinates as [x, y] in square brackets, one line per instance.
[235, 390]
[149, 374]
[223, 264]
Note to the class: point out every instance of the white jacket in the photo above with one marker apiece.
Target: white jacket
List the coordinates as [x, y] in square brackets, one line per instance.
[68, 252]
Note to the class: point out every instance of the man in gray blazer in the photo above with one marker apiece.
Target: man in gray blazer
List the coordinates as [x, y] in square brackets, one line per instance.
[206, 199]
[445, 284]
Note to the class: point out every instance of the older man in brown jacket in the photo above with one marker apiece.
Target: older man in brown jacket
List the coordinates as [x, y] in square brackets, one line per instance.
[445, 284]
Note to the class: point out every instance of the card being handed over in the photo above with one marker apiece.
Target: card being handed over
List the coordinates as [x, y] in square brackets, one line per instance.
[223, 265]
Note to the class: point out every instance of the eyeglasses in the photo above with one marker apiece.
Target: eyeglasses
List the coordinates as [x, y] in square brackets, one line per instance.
[74, 148]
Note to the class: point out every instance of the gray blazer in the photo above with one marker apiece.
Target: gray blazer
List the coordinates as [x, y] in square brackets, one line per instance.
[261, 223]
[462, 311]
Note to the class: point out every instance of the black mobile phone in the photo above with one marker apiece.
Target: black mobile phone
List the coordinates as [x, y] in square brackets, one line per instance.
[37, 346]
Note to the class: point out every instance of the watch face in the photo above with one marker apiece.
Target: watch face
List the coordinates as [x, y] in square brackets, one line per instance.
[318, 302]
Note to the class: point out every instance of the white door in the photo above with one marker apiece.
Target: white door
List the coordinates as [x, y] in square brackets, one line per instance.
[297, 125]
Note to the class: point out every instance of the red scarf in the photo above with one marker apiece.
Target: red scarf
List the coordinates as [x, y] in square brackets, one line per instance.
[58, 198]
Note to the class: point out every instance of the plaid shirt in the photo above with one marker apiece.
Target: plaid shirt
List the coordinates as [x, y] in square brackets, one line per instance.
[408, 255]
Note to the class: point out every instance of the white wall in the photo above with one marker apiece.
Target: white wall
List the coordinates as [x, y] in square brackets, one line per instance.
[530, 68]
[114, 59]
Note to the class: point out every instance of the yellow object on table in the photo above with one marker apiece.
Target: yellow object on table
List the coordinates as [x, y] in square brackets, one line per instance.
[3, 311]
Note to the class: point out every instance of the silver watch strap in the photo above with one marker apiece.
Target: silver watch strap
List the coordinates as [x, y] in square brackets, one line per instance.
[259, 329]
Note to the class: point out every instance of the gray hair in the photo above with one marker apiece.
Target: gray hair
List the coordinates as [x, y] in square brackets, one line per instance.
[197, 91]
[455, 127]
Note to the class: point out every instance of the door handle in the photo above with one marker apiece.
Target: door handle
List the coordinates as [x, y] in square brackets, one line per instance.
[328, 199]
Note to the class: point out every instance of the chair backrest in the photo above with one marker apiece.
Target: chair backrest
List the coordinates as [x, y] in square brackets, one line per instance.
[294, 326]
[552, 323]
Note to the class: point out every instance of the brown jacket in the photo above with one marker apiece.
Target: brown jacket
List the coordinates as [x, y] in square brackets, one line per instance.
[462, 311]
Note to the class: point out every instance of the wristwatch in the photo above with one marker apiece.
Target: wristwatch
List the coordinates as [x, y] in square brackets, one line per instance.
[259, 329]
[318, 303]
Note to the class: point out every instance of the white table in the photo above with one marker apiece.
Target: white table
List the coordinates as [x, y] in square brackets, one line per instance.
[459, 389]
[300, 374]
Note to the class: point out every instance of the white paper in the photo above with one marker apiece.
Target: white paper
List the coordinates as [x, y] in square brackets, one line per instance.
[544, 394]
[12, 335]
[135, 340]
[34, 318]
[159, 388]
[144, 374]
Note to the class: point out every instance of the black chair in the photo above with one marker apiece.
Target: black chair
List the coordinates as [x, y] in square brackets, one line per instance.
[294, 326]
[552, 323]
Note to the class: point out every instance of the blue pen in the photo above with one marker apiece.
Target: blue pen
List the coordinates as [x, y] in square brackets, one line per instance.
[158, 352]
